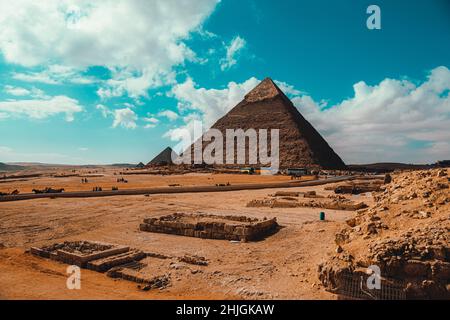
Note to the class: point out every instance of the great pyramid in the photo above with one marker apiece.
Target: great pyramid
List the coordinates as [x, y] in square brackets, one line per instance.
[267, 107]
[164, 158]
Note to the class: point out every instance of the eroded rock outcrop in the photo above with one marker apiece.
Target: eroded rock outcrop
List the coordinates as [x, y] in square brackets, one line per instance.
[406, 233]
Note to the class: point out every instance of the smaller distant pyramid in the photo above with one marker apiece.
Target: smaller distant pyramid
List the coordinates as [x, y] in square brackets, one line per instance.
[140, 165]
[164, 158]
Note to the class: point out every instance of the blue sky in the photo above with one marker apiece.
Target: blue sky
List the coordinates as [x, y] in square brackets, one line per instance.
[117, 81]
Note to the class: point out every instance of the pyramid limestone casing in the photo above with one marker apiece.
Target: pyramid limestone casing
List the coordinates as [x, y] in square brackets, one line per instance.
[267, 107]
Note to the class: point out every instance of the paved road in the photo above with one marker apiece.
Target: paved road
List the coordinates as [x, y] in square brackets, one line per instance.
[168, 190]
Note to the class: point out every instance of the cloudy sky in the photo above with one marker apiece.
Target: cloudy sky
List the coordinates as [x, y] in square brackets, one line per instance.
[115, 80]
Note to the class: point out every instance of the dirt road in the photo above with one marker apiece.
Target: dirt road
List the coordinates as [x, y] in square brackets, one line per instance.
[175, 189]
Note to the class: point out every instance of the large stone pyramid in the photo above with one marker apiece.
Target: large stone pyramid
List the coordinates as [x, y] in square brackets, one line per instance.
[164, 158]
[267, 107]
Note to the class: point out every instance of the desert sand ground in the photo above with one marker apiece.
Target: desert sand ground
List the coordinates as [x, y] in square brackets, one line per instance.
[282, 266]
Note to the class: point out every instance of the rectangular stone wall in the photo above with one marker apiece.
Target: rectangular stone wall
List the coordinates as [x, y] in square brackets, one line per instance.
[79, 259]
[230, 230]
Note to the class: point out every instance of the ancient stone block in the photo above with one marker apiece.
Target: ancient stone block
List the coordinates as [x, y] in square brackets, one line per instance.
[79, 252]
[211, 226]
[104, 264]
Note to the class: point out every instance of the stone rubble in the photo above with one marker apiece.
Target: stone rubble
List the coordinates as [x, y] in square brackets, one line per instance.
[334, 202]
[406, 233]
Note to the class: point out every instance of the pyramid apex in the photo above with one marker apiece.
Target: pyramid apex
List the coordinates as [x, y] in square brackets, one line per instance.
[269, 79]
[266, 89]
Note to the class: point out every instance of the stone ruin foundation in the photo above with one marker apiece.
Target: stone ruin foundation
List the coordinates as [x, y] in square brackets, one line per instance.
[357, 187]
[79, 253]
[208, 226]
[141, 273]
[309, 199]
[116, 260]
[415, 265]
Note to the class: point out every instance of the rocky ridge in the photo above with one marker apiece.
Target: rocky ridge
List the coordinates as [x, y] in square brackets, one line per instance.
[405, 233]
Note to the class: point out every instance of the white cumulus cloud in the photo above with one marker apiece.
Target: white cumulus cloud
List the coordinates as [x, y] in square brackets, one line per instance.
[104, 110]
[140, 41]
[42, 108]
[211, 103]
[23, 92]
[151, 122]
[125, 118]
[206, 105]
[54, 74]
[17, 91]
[169, 114]
[233, 49]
